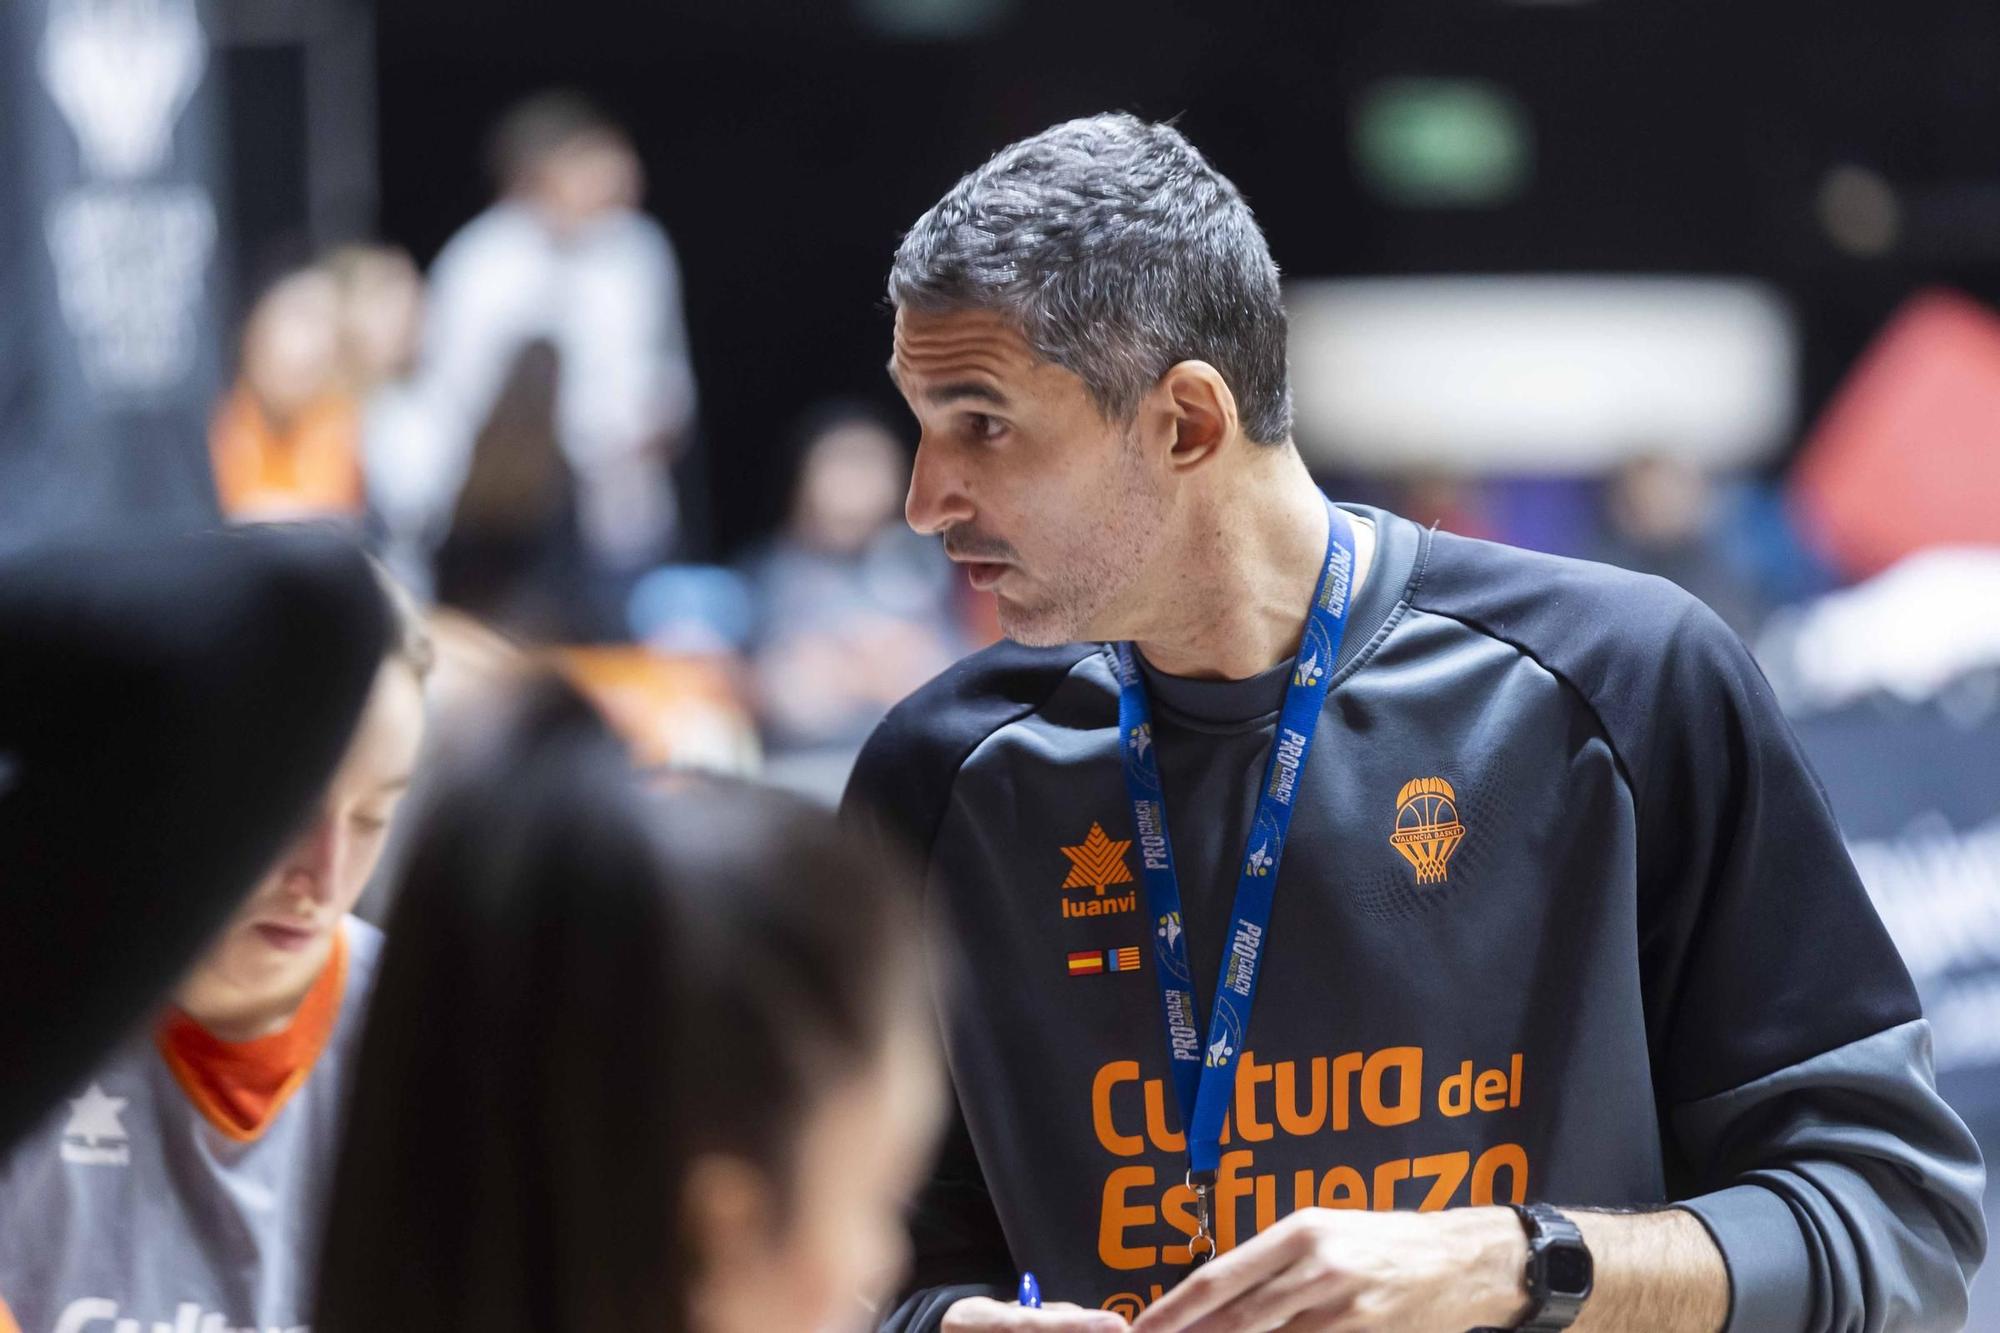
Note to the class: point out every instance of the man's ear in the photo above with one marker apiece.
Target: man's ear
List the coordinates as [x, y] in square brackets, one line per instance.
[1202, 411]
[728, 1214]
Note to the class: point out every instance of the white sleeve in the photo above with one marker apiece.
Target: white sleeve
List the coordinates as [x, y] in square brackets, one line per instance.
[418, 436]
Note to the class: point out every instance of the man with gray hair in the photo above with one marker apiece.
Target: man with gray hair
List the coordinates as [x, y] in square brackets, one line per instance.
[1512, 857]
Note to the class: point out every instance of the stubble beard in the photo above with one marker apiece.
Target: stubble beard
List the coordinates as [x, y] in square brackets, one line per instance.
[1089, 596]
[1056, 622]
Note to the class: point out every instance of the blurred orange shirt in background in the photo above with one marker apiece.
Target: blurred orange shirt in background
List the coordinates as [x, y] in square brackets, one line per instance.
[681, 711]
[311, 468]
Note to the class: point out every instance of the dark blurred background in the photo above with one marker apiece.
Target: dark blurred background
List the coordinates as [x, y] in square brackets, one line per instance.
[788, 146]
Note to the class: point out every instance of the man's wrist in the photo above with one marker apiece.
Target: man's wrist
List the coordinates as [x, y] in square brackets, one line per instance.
[1493, 1254]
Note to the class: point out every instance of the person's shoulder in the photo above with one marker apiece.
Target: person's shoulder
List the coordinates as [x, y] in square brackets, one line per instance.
[500, 235]
[904, 772]
[1512, 586]
[641, 231]
[1565, 609]
[481, 229]
[625, 242]
[364, 944]
[974, 697]
[119, 1086]
[1638, 648]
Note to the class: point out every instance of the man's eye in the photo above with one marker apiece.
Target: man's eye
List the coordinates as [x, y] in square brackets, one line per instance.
[370, 823]
[982, 427]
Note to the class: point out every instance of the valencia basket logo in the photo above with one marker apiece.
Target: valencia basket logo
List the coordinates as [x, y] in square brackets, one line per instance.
[1427, 827]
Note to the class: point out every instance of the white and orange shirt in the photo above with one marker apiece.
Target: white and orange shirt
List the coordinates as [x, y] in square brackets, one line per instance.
[182, 1190]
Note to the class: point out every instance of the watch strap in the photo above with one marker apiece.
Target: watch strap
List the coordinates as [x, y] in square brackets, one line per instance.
[1548, 1230]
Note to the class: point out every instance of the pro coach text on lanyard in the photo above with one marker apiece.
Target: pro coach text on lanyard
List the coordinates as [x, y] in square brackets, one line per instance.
[1204, 1077]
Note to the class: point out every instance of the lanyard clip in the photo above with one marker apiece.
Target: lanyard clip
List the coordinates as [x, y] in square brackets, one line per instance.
[1201, 1246]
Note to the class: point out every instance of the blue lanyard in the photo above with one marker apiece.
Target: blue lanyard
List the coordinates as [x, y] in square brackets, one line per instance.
[1204, 1077]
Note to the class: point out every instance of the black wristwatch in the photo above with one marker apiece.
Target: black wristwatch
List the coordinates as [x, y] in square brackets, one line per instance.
[1559, 1268]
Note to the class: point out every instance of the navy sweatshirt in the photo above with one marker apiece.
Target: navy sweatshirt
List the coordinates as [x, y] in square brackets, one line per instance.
[1563, 916]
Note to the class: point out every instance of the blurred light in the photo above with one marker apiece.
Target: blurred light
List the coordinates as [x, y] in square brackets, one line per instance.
[1540, 375]
[934, 19]
[1859, 211]
[1432, 143]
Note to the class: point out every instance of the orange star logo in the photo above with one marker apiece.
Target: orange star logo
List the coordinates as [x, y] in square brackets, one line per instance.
[1097, 862]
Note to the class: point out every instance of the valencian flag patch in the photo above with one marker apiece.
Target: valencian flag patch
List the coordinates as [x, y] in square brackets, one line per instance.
[1090, 962]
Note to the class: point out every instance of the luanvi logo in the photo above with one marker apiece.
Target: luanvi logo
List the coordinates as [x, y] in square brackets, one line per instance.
[1098, 863]
[94, 1136]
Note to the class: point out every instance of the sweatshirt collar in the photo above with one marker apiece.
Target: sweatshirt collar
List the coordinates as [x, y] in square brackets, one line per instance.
[1233, 702]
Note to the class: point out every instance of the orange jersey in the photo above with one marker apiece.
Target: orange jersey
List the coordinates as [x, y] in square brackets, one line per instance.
[311, 467]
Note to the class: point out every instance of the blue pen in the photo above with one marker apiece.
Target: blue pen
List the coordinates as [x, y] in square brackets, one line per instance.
[1031, 1292]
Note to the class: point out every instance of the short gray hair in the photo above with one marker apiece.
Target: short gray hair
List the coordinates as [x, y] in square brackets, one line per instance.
[1118, 251]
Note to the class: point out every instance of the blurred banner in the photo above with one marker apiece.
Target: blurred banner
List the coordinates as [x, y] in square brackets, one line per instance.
[108, 240]
[1894, 687]
[1539, 374]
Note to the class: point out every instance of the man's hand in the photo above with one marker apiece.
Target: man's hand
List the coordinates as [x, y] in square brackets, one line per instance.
[1331, 1270]
[981, 1314]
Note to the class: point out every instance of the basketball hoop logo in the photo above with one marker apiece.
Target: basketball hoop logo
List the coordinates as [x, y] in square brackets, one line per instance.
[1427, 827]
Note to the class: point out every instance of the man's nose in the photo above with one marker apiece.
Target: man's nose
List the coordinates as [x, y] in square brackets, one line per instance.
[937, 497]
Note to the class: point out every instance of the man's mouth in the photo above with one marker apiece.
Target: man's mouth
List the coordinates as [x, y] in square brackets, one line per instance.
[983, 574]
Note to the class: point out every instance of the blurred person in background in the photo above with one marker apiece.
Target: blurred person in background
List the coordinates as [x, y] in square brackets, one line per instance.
[1437, 499]
[380, 298]
[736, 1159]
[561, 291]
[854, 609]
[1663, 516]
[187, 1180]
[285, 443]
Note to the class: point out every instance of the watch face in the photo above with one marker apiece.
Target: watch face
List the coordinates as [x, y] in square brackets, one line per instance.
[1568, 1270]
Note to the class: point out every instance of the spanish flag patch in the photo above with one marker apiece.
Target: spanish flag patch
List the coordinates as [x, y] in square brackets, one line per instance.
[1090, 962]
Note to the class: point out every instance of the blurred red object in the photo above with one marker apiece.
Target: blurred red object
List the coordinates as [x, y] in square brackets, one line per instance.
[1907, 456]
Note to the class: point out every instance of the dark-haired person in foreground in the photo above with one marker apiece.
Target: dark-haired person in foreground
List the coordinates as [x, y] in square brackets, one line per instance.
[170, 709]
[184, 1181]
[635, 1060]
[1438, 934]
